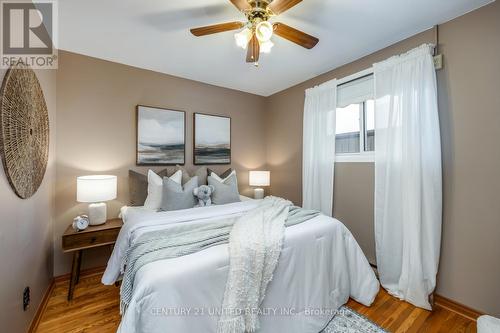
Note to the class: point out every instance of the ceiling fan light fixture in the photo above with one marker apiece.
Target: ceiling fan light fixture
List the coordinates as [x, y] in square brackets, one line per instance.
[254, 35]
[265, 47]
[243, 37]
[264, 31]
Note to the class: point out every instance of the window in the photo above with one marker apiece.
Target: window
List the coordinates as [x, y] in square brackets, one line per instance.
[355, 128]
[369, 128]
[355, 121]
[347, 138]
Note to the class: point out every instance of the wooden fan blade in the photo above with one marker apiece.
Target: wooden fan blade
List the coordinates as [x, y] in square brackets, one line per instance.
[253, 51]
[280, 6]
[294, 35]
[216, 28]
[241, 4]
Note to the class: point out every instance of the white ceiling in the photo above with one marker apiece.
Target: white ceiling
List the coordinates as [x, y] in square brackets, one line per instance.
[154, 34]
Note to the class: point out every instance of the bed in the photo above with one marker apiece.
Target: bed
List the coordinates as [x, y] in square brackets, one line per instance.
[320, 267]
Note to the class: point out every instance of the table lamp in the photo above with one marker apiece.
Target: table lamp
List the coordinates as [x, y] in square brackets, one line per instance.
[95, 190]
[259, 178]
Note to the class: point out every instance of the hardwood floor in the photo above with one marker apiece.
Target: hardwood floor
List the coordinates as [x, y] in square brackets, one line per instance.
[95, 308]
[398, 316]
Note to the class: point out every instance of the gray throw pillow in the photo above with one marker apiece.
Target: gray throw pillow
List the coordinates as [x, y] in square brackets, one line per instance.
[201, 173]
[225, 192]
[176, 196]
[138, 185]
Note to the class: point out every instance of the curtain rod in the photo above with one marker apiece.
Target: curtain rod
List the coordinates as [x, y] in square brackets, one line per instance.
[436, 52]
[436, 39]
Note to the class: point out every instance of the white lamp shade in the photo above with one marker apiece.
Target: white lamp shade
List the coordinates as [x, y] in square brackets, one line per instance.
[259, 178]
[265, 47]
[264, 31]
[243, 37]
[97, 188]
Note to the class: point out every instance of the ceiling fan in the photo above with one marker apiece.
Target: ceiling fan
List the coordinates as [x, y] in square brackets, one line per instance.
[257, 32]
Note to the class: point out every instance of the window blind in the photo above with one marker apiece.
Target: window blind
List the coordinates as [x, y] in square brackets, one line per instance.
[355, 91]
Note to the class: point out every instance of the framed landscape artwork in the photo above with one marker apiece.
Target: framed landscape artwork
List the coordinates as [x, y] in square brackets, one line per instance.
[212, 139]
[161, 136]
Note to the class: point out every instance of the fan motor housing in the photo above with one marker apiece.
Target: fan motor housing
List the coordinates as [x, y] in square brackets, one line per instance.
[262, 4]
[259, 11]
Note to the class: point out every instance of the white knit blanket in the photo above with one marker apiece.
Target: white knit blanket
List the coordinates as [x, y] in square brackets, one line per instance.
[254, 248]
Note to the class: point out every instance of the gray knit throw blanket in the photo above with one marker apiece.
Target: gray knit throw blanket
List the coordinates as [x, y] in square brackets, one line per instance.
[255, 240]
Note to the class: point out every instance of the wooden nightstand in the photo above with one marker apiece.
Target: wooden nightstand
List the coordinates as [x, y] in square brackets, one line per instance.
[93, 236]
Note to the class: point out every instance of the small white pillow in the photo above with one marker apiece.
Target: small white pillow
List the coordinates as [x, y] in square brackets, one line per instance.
[155, 189]
[216, 177]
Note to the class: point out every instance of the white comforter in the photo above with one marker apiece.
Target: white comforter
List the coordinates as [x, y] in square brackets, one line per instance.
[320, 266]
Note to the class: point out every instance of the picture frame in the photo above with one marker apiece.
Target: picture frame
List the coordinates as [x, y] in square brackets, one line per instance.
[211, 139]
[160, 136]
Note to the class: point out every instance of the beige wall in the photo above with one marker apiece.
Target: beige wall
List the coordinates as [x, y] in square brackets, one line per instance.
[26, 233]
[96, 130]
[353, 202]
[469, 100]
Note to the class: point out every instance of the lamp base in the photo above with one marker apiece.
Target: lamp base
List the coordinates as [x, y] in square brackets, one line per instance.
[97, 213]
[258, 193]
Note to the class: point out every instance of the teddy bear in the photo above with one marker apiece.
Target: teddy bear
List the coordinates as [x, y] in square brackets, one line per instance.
[204, 193]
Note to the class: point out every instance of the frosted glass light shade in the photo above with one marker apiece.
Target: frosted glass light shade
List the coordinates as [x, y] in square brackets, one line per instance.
[243, 37]
[264, 31]
[265, 47]
[97, 188]
[259, 178]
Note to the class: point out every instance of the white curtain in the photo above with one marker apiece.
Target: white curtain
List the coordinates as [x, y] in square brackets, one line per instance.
[319, 147]
[408, 185]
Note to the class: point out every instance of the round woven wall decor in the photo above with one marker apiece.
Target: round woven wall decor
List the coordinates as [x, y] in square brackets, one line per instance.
[24, 126]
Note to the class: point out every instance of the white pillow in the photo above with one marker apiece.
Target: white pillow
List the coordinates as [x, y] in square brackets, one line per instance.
[155, 189]
[216, 177]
